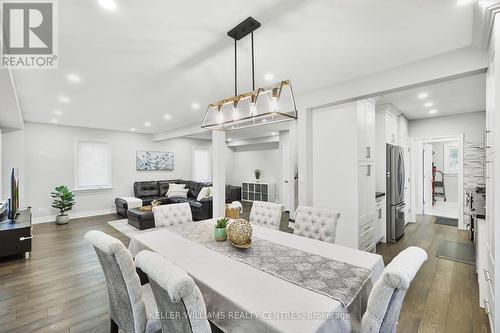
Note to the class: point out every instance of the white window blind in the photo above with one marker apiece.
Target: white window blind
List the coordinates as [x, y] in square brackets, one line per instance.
[451, 158]
[93, 164]
[202, 164]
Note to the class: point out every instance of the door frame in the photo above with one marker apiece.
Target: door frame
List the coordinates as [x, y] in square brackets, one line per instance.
[416, 163]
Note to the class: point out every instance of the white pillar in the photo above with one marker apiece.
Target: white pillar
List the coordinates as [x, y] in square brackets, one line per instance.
[219, 172]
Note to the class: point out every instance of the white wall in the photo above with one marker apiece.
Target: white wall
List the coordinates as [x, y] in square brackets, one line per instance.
[246, 159]
[471, 124]
[45, 156]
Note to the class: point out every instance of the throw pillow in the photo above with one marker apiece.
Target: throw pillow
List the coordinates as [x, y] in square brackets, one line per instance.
[175, 187]
[211, 192]
[204, 193]
[182, 193]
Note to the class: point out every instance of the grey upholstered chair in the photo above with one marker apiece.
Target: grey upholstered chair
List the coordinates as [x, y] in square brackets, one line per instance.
[181, 305]
[129, 302]
[316, 223]
[266, 214]
[388, 293]
[173, 214]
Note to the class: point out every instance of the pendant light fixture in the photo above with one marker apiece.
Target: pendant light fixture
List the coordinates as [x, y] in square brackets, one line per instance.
[270, 104]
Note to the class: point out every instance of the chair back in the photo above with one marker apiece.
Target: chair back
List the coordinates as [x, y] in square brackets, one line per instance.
[266, 214]
[316, 223]
[388, 293]
[126, 307]
[179, 301]
[172, 214]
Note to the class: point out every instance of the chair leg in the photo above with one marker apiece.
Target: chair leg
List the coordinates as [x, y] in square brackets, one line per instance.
[113, 328]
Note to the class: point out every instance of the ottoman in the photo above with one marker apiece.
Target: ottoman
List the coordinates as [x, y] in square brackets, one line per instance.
[123, 204]
[141, 219]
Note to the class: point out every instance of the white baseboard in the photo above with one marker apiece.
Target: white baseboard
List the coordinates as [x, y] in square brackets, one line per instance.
[52, 218]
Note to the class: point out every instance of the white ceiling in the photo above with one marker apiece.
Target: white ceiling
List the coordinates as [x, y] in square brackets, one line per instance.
[147, 59]
[448, 98]
[247, 133]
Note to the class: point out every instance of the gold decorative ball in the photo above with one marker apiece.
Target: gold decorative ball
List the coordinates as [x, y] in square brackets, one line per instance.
[239, 233]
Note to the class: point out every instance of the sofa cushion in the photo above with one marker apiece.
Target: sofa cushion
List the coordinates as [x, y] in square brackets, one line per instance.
[146, 189]
[195, 187]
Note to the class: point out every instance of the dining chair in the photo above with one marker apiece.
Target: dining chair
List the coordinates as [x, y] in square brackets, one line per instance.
[179, 301]
[388, 293]
[266, 214]
[130, 304]
[173, 214]
[316, 223]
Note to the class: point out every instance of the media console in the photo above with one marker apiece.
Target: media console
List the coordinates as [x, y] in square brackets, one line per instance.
[16, 236]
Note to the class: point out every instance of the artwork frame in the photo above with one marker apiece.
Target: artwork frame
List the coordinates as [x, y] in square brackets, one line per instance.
[150, 160]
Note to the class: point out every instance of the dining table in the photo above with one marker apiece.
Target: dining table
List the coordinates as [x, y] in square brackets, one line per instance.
[243, 298]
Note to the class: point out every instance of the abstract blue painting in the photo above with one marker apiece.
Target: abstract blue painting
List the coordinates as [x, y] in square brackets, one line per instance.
[154, 160]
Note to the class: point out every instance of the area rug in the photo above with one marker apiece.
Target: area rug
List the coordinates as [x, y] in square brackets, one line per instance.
[455, 251]
[125, 228]
[446, 221]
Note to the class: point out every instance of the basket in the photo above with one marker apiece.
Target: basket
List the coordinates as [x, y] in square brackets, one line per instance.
[232, 213]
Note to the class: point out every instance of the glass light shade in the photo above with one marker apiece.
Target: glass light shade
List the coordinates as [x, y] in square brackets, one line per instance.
[271, 104]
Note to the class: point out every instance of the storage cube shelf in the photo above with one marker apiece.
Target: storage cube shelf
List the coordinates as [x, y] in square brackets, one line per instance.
[257, 191]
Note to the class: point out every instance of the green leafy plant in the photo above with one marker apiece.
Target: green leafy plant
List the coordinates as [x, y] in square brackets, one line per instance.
[257, 173]
[64, 199]
[222, 223]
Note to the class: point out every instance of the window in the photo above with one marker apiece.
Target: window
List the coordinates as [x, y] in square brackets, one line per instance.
[451, 159]
[92, 165]
[202, 164]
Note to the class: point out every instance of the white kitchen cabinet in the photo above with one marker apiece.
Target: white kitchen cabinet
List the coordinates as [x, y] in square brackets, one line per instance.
[391, 128]
[343, 173]
[366, 130]
[380, 208]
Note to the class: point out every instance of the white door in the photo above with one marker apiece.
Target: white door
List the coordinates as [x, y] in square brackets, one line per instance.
[285, 176]
[407, 160]
[427, 172]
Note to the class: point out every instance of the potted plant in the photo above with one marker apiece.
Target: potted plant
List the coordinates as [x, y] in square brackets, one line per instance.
[64, 200]
[220, 229]
[257, 174]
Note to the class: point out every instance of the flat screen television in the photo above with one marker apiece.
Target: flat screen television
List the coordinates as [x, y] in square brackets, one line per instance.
[14, 197]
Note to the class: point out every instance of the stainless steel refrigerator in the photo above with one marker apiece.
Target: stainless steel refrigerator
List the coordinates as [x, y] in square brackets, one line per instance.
[395, 196]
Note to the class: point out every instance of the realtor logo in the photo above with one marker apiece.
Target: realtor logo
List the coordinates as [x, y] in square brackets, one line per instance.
[29, 38]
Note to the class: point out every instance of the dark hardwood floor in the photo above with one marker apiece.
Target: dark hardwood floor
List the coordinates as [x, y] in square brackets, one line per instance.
[62, 289]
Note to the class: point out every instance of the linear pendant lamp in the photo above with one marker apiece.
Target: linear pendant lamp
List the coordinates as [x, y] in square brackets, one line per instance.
[266, 105]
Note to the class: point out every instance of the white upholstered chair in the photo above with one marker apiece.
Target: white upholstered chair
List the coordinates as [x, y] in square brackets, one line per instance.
[179, 301]
[129, 302]
[173, 214]
[266, 214]
[316, 223]
[388, 293]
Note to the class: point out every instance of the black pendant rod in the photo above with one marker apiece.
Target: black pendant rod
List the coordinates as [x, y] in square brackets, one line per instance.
[235, 70]
[253, 67]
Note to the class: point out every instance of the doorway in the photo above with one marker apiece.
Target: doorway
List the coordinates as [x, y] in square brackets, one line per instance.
[439, 173]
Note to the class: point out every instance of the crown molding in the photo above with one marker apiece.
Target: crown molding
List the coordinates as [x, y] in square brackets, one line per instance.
[484, 17]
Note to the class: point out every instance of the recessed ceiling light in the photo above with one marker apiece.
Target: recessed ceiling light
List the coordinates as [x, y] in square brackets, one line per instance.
[423, 95]
[229, 139]
[54, 121]
[63, 99]
[107, 4]
[132, 129]
[274, 133]
[428, 104]
[147, 124]
[264, 120]
[195, 106]
[72, 77]
[167, 117]
[269, 76]
[58, 112]
[433, 111]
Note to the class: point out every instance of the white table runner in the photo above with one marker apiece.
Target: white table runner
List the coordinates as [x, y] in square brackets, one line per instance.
[241, 298]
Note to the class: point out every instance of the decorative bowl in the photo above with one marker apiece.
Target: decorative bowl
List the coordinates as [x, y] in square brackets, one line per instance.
[239, 233]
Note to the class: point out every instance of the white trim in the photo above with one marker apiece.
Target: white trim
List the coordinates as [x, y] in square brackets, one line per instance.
[90, 213]
[415, 144]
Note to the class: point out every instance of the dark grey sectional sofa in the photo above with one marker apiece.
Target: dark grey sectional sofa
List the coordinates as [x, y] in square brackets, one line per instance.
[148, 191]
